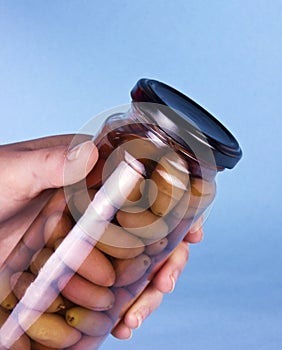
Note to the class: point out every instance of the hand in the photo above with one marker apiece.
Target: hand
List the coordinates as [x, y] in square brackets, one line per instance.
[163, 282]
[29, 170]
[32, 169]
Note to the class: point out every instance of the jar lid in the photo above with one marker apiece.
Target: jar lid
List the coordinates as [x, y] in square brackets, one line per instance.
[188, 119]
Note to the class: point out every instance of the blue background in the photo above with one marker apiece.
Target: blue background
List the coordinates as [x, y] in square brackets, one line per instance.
[62, 62]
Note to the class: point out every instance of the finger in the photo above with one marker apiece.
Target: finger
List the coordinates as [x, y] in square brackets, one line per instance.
[49, 141]
[27, 173]
[147, 303]
[30, 172]
[121, 331]
[195, 234]
[167, 276]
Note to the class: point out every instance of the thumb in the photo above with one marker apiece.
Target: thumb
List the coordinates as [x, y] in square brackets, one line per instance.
[27, 172]
[60, 166]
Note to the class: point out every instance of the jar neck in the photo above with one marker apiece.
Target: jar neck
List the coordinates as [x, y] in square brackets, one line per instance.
[207, 169]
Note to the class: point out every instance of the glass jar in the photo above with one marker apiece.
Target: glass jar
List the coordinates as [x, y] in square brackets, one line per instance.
[97, 244]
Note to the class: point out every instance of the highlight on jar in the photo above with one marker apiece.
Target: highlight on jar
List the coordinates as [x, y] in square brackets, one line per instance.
[97, 244]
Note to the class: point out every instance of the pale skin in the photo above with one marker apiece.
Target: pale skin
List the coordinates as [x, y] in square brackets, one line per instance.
[30, 169]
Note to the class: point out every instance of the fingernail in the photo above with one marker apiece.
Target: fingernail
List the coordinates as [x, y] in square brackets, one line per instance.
[195, 228]
[173, 279]
[139, 320]
[130, 334]
[74, 152]
[141, 315]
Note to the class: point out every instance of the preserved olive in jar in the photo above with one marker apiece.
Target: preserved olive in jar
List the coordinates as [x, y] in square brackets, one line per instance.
[96, 244]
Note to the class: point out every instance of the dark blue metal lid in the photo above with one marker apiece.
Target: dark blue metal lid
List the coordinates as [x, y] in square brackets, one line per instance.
[188, 119]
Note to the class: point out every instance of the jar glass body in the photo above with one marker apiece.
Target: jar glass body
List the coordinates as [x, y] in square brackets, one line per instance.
[97, 244]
